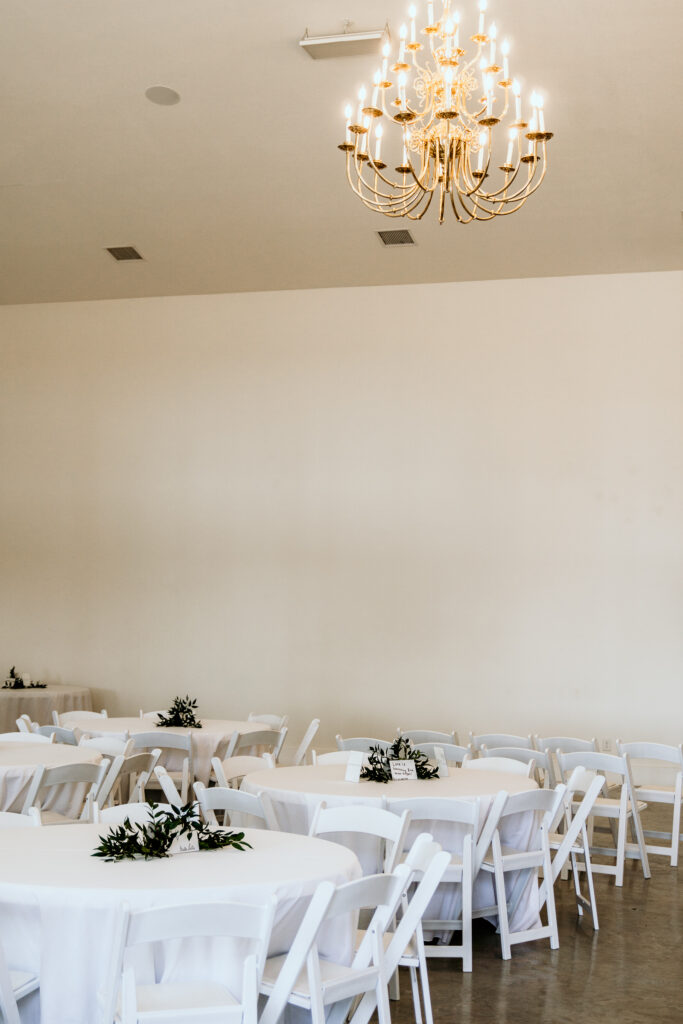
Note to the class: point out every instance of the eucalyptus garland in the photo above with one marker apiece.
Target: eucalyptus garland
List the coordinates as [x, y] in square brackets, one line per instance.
[153, 839]
[181, 713]
[379, 769]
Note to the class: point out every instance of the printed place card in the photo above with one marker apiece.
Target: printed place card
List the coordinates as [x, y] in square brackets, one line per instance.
[441, 762]
[353, 766]
[185, 844]
[403, 770]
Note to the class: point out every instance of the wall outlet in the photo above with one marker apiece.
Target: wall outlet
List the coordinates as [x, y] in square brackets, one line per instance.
[607, 746]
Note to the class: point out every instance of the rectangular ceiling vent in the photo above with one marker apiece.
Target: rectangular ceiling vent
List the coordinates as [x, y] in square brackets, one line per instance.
[124, 252]
[345, 44]
[400, 237]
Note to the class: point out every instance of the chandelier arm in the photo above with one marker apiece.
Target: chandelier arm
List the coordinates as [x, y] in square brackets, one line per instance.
[458, 215]
[381, 199]
[528, 189]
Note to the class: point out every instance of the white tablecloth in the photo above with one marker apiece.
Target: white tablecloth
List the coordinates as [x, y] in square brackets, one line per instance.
[18, 762]
[296, 792]
[39, 704]
[205, 741]
[58, 904]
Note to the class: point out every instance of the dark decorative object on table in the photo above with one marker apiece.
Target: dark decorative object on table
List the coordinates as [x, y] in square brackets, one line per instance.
[379, 768]
[181, 713]
[15, 682]
[154, 839]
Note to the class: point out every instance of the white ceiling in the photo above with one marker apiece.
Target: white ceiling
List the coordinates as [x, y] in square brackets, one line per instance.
[240, 186]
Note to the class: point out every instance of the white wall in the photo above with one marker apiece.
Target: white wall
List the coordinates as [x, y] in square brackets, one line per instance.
[447, 505]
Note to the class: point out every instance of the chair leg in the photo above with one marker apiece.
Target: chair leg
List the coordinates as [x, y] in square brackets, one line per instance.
[550, 902]
[383, 1009]
[466, 913]
[589, 879]
[501, 898]
[675, 833]
[621, 851]
[416, 995]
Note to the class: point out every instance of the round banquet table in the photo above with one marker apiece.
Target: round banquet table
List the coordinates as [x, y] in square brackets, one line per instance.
[18, 762]
[296, 792]
[205, 741]
[58, 907]
[39, 704]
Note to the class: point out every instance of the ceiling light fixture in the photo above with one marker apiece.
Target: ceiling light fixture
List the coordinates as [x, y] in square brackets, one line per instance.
[448, 121]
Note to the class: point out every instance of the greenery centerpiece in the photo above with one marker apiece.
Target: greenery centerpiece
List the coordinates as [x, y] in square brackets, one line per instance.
[379, 767]
[181, 713]
[154, 839]
[15, 682]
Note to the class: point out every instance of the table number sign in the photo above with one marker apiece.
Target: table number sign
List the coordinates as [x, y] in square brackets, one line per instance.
[403, 770]
[441, 762]
[184, 844]
[353, 766]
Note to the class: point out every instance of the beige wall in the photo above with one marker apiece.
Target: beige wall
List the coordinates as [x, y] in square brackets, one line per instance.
[448, 505]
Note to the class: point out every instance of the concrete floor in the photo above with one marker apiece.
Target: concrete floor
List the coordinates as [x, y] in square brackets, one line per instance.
[630, 971]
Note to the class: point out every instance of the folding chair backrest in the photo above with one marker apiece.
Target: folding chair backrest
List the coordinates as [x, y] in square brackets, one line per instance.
[10, 819]
[24, 737]
[237, 767]
[419, 736]
[453, 752]
[332, 757]
[302, 749]
[567, 744]
[140, 765]
[542, 761]
[501, 764]
[422, 809]
[591, 785]
[64, 774]
[245, 741]
[612, 764]
[74, 716]
[500, 739]
[546, 802]
[363, 819]
[233, 801]
[58, 732]
[137, 813]
[363, 743]
[110, 744]
[672, 755]
[276, 722]
[24, 723]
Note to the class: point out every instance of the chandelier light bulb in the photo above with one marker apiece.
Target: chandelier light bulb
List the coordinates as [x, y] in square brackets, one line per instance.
[386, 50]
[482, 15]
[412, 12]
[512, 135]
[505, 49]
[402, 33]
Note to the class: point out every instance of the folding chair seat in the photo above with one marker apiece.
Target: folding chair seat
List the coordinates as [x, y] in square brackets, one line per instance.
[453, 752]
[619, 811]
[302, 749]
[14, 986]
[501, 739]
[360, 819]
[171, 744]
[419, 736]
[252, 743]
[59, 733]
[501, 764]
[136, 769]
[275, 722]
[322, 983]
[654, 794]
[464, 815]
[362, 743]
[235, 804]
[91, 775]
[503, 859]
[208, 997]
[67, 717]
[231, 771]
[544, 771]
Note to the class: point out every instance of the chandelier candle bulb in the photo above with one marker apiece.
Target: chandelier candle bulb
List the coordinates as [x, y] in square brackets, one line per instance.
[347, 114]
[512, 135]
[541, 118]
[449, 40]
[402, 47]
[456, 19]
[493, 32]
[386, 50]
[482, 13]
[517, 90]
[411, 14]
[505, 49]
[361, 101]
[489, 95]
[378, 143]
[482, 143]
[430, 13]
[375, 92]
[402, 89]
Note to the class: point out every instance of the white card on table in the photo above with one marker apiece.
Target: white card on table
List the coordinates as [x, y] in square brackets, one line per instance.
[185, 844]
[403, 769]
[441, 762]
[353, 766]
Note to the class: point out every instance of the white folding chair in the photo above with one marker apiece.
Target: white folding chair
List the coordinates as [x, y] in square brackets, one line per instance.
[59, 733]
[67, 717]
[419, 736]
[109, 744]
[24, 723]
[501, 764]
[574, 843]
[362, 743]
[453, 752]
[464, 816]
[10, 819]
[618, 811]
[322, 983]
[137, 813]
[672, 795]
[234, 804]
[360, 819]
[208, 996]
[44, 778]
[545, 804]
[567, 744]
[302, 749]
[14, 985]
[136, 768]
[501, 739]
[275, 722]
[25, 737]
[170, 744]
[247, 742]
[332, 757]
[153, 714]
[231, 771]
[545, 773]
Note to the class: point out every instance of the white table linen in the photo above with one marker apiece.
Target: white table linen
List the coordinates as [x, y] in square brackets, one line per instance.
[205, 741]
[39, 704]
[18, 762]
[296, 792]
[58, 907]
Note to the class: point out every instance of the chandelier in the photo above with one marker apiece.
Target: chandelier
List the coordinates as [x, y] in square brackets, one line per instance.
[460, 133]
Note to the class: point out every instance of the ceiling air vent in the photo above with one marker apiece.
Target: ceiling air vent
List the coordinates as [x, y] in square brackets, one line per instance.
[124, 252]
[401, 237]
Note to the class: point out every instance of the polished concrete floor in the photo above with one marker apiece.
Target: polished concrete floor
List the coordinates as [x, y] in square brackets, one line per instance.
[630, 971]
